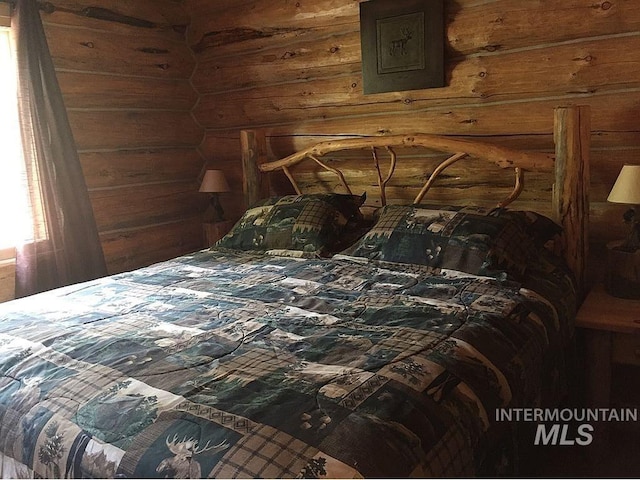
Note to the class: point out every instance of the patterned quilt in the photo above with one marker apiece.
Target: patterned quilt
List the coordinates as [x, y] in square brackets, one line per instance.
[221, 364]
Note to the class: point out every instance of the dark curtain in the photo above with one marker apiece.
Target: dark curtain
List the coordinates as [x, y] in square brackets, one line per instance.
[66, 248]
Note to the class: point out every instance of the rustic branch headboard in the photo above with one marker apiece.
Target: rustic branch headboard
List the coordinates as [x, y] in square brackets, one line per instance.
[570, 165]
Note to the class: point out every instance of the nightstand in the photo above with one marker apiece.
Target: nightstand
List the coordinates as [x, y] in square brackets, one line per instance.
[611, 328]
[212, 232]
[611, 333]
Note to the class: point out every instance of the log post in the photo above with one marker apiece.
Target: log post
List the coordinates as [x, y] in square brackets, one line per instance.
[255, 183]
[572, 135]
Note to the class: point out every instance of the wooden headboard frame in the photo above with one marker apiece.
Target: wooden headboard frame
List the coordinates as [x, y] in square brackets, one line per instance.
[570, 165]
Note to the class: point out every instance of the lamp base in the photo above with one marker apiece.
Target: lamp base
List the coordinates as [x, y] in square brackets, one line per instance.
[623, 272]
[214, 212]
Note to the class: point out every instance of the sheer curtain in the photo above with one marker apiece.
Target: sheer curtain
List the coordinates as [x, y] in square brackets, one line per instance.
[65, 247]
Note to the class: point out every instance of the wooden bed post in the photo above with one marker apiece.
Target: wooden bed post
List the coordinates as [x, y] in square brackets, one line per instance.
[572, 135]
[254, 182]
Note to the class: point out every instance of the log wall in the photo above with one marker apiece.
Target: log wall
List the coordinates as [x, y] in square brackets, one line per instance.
[293, 68]
[156, 89]
[5, 15]
[124, 69]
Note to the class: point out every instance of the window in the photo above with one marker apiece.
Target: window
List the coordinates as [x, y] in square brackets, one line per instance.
[15, 223]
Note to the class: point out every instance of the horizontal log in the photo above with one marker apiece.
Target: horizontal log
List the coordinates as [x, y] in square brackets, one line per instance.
[225, 145]
[234, 205]
[240, 40]
[416, 171]
[338, 54]
[448, 188]
[606, 222]
[271, 102]
[501, 156]
[127, 167]
[477, 195]
[606, 165]
[166, 16]
[608, 152]
[471, 27]
[136, 206]
[581, 68]
[609, 114]
[127, 250]
[403, 153]
[5, 15]
[263, 19]
[605, 162]
[92, 90]
[7, 280]
[130, 40]
[95, 129]
[149, 54]
[476, 27]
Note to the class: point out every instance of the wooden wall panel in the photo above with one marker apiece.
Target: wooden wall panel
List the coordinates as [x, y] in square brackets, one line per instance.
[106, 91]
[219, 22]
[7, 280]
[135, 167]
[487, 80]
[336, 53]
[481, 27]
[144, 133]
[142, 205]
[124, 68]
[609, 112]
[116, 129]
[129, 249]
[5, 15]
[166, 16]
[288, 68]
[149, 54]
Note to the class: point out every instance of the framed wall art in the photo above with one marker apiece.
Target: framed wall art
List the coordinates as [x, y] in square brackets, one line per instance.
[402, 45]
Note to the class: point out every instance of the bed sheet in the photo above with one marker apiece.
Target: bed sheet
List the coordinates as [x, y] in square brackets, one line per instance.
[223, 364]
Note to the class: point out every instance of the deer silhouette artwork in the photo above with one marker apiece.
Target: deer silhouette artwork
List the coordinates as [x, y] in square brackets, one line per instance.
[399, 46]
[182, 464]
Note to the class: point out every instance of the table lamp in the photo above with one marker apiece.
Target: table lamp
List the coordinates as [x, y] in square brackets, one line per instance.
[623, 276]
[214, 182]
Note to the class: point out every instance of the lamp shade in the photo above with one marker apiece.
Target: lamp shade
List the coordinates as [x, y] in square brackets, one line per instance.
[627, 186]
[214, 182]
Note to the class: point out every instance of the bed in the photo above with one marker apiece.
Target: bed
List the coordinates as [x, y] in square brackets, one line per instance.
[283, 352]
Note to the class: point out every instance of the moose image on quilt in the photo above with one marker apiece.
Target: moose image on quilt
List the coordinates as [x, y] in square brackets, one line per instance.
[221, 364]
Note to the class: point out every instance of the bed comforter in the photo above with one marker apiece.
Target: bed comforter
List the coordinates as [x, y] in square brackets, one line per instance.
[222, 364]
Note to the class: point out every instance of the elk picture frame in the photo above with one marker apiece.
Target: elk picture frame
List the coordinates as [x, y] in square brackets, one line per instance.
[402, 43]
